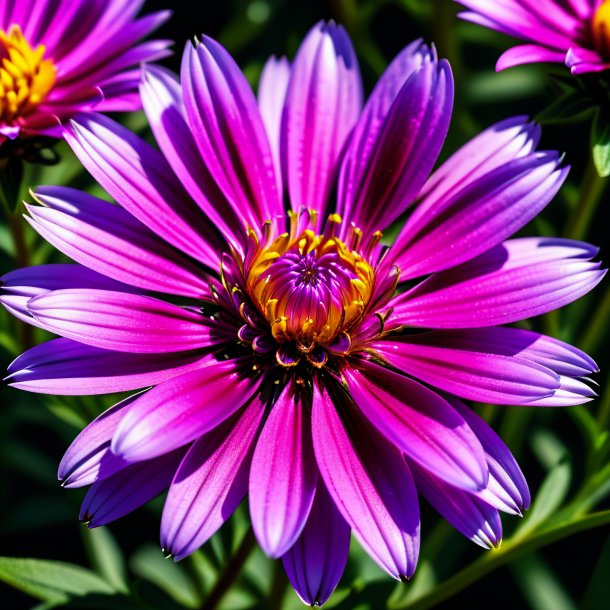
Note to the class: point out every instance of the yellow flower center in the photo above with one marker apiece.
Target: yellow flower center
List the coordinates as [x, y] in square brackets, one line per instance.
[600, 29]
[310, 287]
[25, 76]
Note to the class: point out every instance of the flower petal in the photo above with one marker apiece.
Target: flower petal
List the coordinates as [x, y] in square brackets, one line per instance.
[369, 483]
[519, 279]
[322, 104]
[528, 54]
[66, 368]
[180, 410]
[225, 121]
[211, 481]
[283, 474]
[128, 489]
[315, 564]
[420, 423]
[120, 321]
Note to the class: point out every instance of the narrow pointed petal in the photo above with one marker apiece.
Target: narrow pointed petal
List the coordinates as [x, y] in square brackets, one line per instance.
[120, 321]
[315, 564]
[369, 482]
[128, 489]
[519, 279]
[469, 515]
[570, 392]
[449, 361]
[162, 99]
[211, 481]
[19, 286]
[139, 178]
[420, 423]
[272, 88]
[225, 121]
[322, 105]
[283, 475]
[510, 487]
[109, 240]
[68, 368]
[180, 410]
[528, 54]
[483, 213]
[381, 177]
[89, 458]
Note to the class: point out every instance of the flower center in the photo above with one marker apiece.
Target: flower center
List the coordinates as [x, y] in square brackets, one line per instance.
[310, 287]
[600, 29]
[25, 77]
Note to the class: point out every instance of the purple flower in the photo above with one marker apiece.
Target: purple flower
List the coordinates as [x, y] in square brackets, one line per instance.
[574, 32]
[62, 57]
[293, 356]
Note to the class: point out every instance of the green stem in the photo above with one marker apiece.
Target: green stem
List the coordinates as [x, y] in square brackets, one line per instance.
[231, 572]
[592, 338]
[511, 550]
[593, 186]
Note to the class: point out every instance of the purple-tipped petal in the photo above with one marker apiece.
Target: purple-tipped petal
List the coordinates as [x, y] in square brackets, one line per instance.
[322, 105]
[519, 279]
[283, 474]
[509, 487]
[128, 489]
[140, 179]
[211, 481]
[570, 392]
[121, 321]
[180, 410]
[272, 88]
[315, 564]
[225, 121]
[162, 99]
[89, 458]
[397, 140]
[109, 240]
[420, 423]
[369, 482]
[487, 210]
[469, 515]
[19, 286]
[66, 368]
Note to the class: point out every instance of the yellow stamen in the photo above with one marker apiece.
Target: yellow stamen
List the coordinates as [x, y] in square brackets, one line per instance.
[25, 77]
[600, 29]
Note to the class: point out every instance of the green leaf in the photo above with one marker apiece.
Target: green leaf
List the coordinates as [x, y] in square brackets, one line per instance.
[106, 557]
[571, 107]
[600, 142]
[148, 563]
[51, 581]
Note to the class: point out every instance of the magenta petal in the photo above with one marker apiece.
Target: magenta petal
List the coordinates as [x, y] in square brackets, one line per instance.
[449, 361]
[519, 279]
[128, 489]
[471, 516]
[211, 481]
[180, 410]
[225, 121]
[528, 54]
[369, 482]
[420, 423]
[66, 367]
[109, 240]
[89, 458]
[315, 564]
[381, 177]
[121, 321]
[509, 491]
[322, 104]
[140, 179]
[283, 475]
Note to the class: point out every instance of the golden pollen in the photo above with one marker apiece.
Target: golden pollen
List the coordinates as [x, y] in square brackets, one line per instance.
[25, 76]
[310, 287]
[600, 29]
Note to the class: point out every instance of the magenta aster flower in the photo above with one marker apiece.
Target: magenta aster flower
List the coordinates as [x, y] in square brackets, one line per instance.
[62, 57]
[574, 32]
[292, 355]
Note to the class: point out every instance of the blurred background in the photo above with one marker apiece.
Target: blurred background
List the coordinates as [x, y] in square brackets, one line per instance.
[562, 452]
